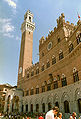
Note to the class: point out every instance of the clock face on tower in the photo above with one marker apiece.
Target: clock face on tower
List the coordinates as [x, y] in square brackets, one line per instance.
[20, 70]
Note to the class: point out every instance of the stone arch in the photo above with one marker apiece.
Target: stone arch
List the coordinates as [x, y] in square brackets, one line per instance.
[43, 100]
[37, 101]
[31, 101]
[49, 99]
[65, 97]
[56, 98]
[77, 94]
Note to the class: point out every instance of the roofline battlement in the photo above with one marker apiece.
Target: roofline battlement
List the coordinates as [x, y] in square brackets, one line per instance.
[60, 23]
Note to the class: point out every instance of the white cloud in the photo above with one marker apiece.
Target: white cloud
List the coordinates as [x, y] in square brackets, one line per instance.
[11, 3]
[8, 35]
[6, 28]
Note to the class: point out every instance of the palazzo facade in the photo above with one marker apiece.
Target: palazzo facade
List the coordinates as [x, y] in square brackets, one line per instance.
[56, 78]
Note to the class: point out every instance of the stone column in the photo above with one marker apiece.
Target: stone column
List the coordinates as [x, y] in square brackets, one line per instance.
[71, 106]
[20, 106]
[5, 106]
[40, 107]
[10, 107]
[24, 108]
[46, 107]
[75, 106]
[29, 107]
[61, 107]
[14, 105]
[34, 108]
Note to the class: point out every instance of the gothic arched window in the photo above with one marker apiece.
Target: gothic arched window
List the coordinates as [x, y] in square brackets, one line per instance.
[78, 38]
[31, 107]
[37, 71]
[55, 84]
[63, 80]
[70, 47]
[27, 75]
[42, 69]
[66, 106]
[27, 108]
[37, 107]
[48, 64]
[79, 105]
[43, 107]
[43, 88]
[48, 87]
[75, 76]
[32, 73]
[27, 92]
[53, 60]
[32, 91]
[57, 104]
[49, 106]
[61, 56]
[37, 90]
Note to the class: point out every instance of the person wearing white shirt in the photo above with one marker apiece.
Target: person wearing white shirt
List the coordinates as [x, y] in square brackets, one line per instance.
[60, 115]
[52, 113]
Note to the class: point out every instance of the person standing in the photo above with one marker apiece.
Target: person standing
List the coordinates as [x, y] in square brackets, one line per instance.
[52, 113]
[73, 116]
[41, 116]
[60, 115]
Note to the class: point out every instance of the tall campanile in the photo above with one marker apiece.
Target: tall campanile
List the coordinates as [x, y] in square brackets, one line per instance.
[27, 29]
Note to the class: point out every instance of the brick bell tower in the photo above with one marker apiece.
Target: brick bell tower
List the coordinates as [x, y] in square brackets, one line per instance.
[27, 29]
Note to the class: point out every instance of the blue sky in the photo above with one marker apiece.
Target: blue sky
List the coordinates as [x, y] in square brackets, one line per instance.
[11, 17]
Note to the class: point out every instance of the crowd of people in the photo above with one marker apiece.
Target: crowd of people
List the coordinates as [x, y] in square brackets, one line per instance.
[55, 114]
[52, 114]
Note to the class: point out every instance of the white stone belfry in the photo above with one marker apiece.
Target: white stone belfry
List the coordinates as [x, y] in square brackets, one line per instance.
[28, 23]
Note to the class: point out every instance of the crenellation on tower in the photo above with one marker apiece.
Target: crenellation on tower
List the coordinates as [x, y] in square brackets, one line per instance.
[61, 20]
[79, 22]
